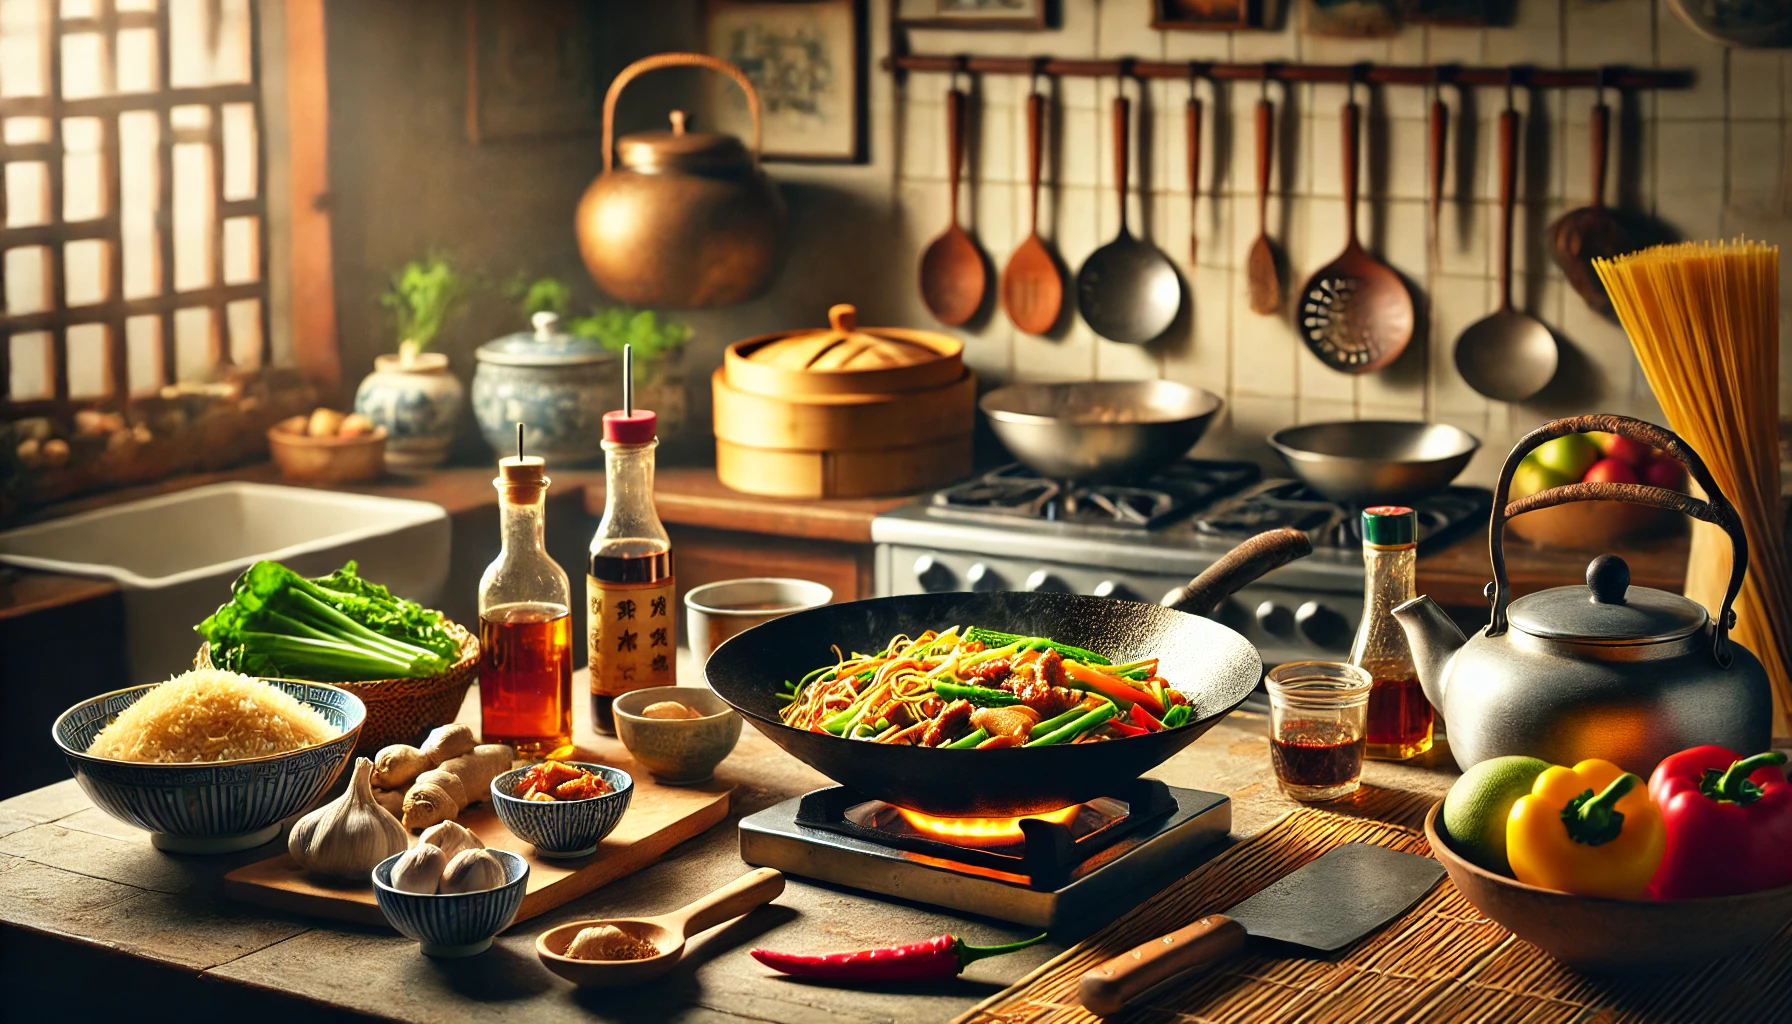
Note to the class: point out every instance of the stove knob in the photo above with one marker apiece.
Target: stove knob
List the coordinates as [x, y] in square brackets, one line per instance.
[935, 576]
[1275, 618]
[983, 579]
[1321, 625]
[1116, 590]
[1042, 582]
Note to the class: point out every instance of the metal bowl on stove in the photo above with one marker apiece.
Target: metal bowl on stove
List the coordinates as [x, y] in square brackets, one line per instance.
[1375, 462]
[1095, 431]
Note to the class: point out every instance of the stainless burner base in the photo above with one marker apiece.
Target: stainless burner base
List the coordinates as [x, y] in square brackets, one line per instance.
[1104, 887]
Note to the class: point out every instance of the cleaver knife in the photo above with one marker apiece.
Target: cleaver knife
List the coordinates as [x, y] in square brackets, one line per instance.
[1324, 906]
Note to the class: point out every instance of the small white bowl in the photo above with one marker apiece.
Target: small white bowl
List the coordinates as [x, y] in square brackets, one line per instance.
[716, 611]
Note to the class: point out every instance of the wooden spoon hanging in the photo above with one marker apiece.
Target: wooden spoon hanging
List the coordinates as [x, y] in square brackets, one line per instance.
[1032, 287]
[953, 275]
[1591, 232]
[1355, 314]
[1261, 273]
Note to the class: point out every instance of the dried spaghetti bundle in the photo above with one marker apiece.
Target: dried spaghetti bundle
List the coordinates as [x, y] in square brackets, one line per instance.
[1704, 320]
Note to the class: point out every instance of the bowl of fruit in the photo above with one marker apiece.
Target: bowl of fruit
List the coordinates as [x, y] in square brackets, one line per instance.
[328, 447]
[1607, 873]
[1594, 525]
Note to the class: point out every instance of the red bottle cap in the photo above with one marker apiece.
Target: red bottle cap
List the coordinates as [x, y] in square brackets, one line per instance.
[630, 428]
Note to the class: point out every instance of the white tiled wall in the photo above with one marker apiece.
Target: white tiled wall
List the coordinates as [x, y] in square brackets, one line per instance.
[1708, 161]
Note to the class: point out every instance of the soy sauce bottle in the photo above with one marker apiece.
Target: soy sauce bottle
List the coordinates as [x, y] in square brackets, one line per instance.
[631, 597]
[1400, 721]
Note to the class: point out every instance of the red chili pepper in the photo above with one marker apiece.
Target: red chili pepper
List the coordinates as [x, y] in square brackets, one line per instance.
[1729, 823]
[1143, 718]
[944, 956]
[1127, 728]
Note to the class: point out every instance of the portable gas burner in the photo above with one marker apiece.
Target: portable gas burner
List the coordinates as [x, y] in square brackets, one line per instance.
[1101, 857]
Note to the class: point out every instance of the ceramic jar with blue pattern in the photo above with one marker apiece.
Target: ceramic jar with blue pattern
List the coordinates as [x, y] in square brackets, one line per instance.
[557, 385]
[418, 402]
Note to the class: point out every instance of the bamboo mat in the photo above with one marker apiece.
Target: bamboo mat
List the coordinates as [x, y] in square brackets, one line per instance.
[1440, 963]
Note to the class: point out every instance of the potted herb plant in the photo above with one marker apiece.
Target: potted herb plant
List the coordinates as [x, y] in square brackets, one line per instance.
[412, 394]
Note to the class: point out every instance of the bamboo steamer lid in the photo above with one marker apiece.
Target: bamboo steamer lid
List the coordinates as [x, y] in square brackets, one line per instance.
[844, 422]
[843, 359]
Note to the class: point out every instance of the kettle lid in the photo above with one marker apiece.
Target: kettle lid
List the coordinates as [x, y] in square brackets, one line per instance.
[681, 150]
[1608, 610]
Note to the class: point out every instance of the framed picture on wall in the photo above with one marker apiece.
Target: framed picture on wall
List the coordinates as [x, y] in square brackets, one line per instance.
[1206, 15]
[1353, 19]
[530, 72]
[1448, 12]
[972, 14]
[807, 60]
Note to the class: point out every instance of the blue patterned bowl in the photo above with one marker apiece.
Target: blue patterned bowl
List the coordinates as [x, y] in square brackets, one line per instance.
[214, 806]
[453, 924]
[563, 828]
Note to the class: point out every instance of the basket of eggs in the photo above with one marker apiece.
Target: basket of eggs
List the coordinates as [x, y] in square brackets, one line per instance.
[328, 447]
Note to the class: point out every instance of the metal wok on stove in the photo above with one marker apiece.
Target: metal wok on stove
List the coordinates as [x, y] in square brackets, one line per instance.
[1215, 667]
[1375, 462]
[1097, 431]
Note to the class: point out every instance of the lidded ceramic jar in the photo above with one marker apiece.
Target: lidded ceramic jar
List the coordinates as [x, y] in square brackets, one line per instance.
[557, 385]
[418, 402]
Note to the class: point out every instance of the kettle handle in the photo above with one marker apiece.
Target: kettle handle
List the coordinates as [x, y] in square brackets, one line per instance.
[673, 60]
[1717, 510]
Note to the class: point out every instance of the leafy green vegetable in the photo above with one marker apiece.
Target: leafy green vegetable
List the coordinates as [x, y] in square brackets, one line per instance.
[423, 295]
[619, 325]
[336, 628]
[542, 295]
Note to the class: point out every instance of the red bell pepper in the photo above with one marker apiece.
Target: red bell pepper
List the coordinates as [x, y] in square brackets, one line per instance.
[1127, 728]
[1729, 823]
[943, 956]
[1141, 717]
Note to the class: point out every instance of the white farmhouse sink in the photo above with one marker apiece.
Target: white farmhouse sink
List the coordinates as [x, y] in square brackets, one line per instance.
[175, 556]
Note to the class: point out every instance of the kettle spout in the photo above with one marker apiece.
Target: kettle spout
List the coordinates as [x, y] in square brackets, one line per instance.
[1434, 640]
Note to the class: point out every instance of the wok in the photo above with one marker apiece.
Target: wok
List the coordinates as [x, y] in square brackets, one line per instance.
[1375, 462]
[1213, 666]
[1096, 431]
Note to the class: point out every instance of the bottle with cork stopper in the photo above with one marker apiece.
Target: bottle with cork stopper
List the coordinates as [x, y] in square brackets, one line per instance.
[632, 598]
[525, 622]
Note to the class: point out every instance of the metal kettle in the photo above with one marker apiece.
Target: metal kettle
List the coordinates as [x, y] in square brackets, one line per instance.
[689, 218]
[1628, 674]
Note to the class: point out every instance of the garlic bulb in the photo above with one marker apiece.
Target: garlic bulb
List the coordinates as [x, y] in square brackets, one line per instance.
[346, 837]
[472, 871]
[451, 837]
[419, 870]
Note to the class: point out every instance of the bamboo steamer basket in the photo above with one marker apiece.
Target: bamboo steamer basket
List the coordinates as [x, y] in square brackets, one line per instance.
[843, 412]
[403, 710]
[858, 473]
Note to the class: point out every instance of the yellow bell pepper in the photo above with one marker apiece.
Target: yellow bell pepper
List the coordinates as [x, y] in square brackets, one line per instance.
[1590, 830]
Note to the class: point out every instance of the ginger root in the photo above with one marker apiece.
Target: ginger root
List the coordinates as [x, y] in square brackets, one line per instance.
[391, 799]
[398, 765]
[441, 793]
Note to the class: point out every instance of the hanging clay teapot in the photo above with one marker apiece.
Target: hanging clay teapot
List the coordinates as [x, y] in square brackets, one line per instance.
[1608, 670]
[689, 218]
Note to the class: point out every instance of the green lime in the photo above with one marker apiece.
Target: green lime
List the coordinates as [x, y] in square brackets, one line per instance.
[1570, 455]
[1476, 809]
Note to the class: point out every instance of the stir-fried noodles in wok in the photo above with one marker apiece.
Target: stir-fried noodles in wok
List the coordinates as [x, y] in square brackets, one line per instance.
[984, 689]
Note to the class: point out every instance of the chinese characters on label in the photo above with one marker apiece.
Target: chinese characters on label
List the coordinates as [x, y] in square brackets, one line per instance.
[633, 635]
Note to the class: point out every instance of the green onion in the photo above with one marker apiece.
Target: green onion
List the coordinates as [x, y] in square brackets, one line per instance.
[1076, 728]
[968, 741]
[982, 696]
[1051, 724]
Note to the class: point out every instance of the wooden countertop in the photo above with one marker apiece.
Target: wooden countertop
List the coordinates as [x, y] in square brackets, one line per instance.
[83, 896]
[692, 496]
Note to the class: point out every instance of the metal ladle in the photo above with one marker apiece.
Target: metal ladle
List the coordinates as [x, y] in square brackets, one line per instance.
[1508, 355]
[1128, 290]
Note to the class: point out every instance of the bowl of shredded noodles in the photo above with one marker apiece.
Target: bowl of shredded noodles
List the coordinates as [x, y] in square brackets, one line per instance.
[210, 761]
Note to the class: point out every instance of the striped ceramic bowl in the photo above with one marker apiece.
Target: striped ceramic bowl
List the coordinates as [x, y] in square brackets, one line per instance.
[453, 924]
[212, 806]
[563, 828]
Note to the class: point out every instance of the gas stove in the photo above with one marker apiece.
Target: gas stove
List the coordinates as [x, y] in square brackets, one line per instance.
[1094, 860]
[1011, 530]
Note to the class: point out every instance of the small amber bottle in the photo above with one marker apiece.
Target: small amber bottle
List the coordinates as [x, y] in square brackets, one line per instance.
[1400, 719]
[525, 623]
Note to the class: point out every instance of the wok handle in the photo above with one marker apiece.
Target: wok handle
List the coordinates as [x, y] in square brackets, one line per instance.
[1109, 988]
[1269, 550]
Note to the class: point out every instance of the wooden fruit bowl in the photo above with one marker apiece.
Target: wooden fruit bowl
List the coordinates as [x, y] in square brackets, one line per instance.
[328, 460]
[1593, 525]
[1597, 934]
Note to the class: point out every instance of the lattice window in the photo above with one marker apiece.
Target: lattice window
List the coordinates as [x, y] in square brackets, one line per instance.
[132, 198]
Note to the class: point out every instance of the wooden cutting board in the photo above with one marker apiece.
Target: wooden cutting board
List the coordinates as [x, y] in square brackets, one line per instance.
[658, 818]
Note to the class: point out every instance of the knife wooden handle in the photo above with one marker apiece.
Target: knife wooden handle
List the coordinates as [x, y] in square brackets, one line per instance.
[1107, 989]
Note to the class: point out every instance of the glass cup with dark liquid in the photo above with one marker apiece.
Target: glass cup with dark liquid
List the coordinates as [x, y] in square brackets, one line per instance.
[1318, 727]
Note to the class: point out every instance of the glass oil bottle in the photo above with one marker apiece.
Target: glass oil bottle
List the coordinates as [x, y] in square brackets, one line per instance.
[1400, 720]
[525, 623]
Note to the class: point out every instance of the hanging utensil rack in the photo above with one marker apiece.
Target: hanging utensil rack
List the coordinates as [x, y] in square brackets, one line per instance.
[1611, 76]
